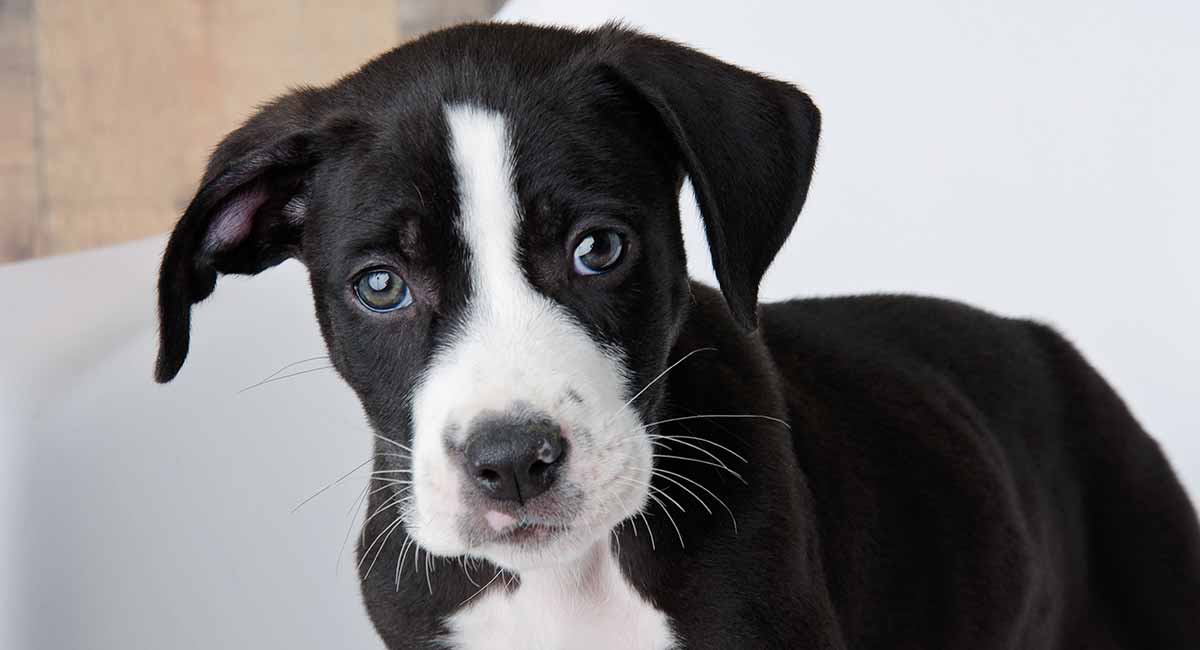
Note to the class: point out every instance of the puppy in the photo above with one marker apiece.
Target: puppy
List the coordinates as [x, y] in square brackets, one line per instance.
[577, 447]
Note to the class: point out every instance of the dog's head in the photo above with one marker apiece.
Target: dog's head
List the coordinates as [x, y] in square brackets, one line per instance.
[489, 216]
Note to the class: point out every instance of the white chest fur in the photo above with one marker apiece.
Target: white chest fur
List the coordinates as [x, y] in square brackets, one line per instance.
[588, 606]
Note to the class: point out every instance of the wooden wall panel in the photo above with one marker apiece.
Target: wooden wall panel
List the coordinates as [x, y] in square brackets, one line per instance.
[111, 108]
[19, 194]
[134, 94]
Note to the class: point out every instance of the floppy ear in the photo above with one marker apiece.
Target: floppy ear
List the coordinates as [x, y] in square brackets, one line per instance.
[748, 144]
[247, 216]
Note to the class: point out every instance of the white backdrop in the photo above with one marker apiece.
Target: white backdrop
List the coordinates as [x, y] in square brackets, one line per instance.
[1032, 158]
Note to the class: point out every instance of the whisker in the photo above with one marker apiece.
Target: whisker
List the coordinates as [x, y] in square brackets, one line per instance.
[294, 364]
[617, 538]
[462, 560]
[717, 416]
[652, 489]
[394, 500]
[386, 439]
[655, 380]
[282, 377]
[381, 488]
[650, 492]
[704, 462]
[710, 492]
[339, 480]
[358, 503]
[384, 545]
[388, 531]
[700, 417]
[350, 528]
[699, 439]
[702, 450]
[428, 581]
[400, 560]
[420, 196]
[649, 530]
[362, 494]
[669, 518]
[392, 482]
[481, 589]
[642, 512]
[685, 489]
[661, 492]
[630, 515]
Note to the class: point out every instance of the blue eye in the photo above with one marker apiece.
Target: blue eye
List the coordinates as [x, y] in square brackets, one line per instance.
[598, 252]
[381, 290]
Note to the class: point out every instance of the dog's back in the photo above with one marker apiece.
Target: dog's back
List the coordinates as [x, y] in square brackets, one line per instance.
[972, 464]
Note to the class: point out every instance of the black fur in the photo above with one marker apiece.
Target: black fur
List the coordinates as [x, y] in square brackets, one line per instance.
[950, 479]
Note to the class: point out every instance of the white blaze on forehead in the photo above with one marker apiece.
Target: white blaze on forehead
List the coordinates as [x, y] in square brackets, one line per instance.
[488, 205]
[514, 346]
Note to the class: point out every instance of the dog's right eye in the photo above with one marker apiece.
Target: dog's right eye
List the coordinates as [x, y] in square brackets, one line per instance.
[382, 290]
[598, 251]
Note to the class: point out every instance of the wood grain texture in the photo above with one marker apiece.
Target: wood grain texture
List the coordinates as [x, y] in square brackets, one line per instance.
[111, 108]
[19, 186]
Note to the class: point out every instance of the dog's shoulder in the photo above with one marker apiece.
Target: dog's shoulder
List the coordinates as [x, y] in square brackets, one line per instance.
[929, 371]
[905, 415]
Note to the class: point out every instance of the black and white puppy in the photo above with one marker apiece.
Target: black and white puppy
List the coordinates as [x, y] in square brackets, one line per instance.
[580, 448]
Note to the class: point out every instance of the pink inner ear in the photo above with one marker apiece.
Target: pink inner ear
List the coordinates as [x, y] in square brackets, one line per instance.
[233, 222]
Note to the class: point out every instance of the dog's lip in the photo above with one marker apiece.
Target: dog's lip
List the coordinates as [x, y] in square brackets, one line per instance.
[526, 529]
[529, 532]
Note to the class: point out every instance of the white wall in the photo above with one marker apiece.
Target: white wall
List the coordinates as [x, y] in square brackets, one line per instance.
[1034, 158]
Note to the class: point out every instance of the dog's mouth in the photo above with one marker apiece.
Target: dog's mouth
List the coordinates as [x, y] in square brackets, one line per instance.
[528, 534]
[523, 531]
[502, 495]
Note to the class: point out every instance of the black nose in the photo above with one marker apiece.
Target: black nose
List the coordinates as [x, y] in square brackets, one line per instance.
[514, 458]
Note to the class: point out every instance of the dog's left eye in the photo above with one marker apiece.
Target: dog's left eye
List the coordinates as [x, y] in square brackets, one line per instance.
[598, 251]
[382, 290]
